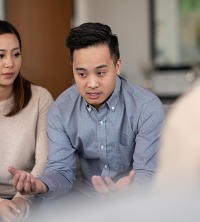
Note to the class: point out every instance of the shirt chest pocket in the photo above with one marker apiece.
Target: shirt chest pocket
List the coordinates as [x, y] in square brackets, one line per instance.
[123, 156]
[122, 153]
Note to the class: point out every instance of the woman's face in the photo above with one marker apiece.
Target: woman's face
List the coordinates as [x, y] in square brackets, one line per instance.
[10, 59]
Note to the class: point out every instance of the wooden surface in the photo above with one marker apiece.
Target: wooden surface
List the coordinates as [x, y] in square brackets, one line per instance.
[43, 26]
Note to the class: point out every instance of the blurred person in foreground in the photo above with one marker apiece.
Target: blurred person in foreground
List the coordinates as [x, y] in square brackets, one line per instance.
[23, 114]
[179, 156]
[110, 124]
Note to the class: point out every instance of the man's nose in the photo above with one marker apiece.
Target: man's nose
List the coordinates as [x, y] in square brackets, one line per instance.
[93, 82]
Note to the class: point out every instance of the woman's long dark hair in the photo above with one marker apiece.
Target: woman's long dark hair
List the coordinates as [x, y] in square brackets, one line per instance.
[21, 87]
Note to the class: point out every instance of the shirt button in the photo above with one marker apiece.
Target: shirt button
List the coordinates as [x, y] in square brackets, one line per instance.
[101, 123]
[102, 147]
[106, 166]
[89, 109]
[113, 108]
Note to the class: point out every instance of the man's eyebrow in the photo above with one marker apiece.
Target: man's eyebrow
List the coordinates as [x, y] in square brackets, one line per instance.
[80, 69]
[101, 66]
[83, 69]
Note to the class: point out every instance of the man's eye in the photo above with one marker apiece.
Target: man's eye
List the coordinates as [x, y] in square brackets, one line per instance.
[82, 74]
[100, 73]
[1, 55]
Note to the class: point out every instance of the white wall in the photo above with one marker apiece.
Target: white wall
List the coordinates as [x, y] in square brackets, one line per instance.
[2, 9]
[129, 19]
[167, 19]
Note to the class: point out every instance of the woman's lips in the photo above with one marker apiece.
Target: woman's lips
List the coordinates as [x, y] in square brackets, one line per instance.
[8, 75]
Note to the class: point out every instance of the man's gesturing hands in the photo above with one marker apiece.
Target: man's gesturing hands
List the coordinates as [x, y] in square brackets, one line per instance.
[26, 183]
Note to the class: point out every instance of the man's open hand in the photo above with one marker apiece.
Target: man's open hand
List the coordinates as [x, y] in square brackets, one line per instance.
[107, 185]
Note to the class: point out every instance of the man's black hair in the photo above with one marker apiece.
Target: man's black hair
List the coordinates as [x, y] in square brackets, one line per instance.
[91, 34]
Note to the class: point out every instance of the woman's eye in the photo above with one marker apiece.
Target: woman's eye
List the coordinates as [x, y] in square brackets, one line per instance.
[1, 55]
[17, 54]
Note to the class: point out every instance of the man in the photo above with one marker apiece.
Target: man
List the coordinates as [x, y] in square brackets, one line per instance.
[113, 126]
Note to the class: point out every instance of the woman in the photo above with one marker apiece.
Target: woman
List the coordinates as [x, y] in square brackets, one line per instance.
[23, 110]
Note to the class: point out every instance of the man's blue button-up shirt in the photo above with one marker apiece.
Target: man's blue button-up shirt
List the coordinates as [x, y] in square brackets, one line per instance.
[122, 135]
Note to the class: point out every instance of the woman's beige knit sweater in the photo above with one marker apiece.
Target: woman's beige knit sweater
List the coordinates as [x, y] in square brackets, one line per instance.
[23, 139]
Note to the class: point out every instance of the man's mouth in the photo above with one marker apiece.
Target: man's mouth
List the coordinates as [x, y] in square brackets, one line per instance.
[93, 95]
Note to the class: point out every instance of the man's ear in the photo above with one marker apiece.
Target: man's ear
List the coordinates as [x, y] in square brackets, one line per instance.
[118, 66]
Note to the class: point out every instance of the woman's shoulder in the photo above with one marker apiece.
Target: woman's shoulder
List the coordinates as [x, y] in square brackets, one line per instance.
[40, 92]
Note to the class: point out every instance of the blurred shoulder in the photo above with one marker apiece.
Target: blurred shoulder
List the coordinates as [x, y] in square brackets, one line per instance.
[188, 104]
